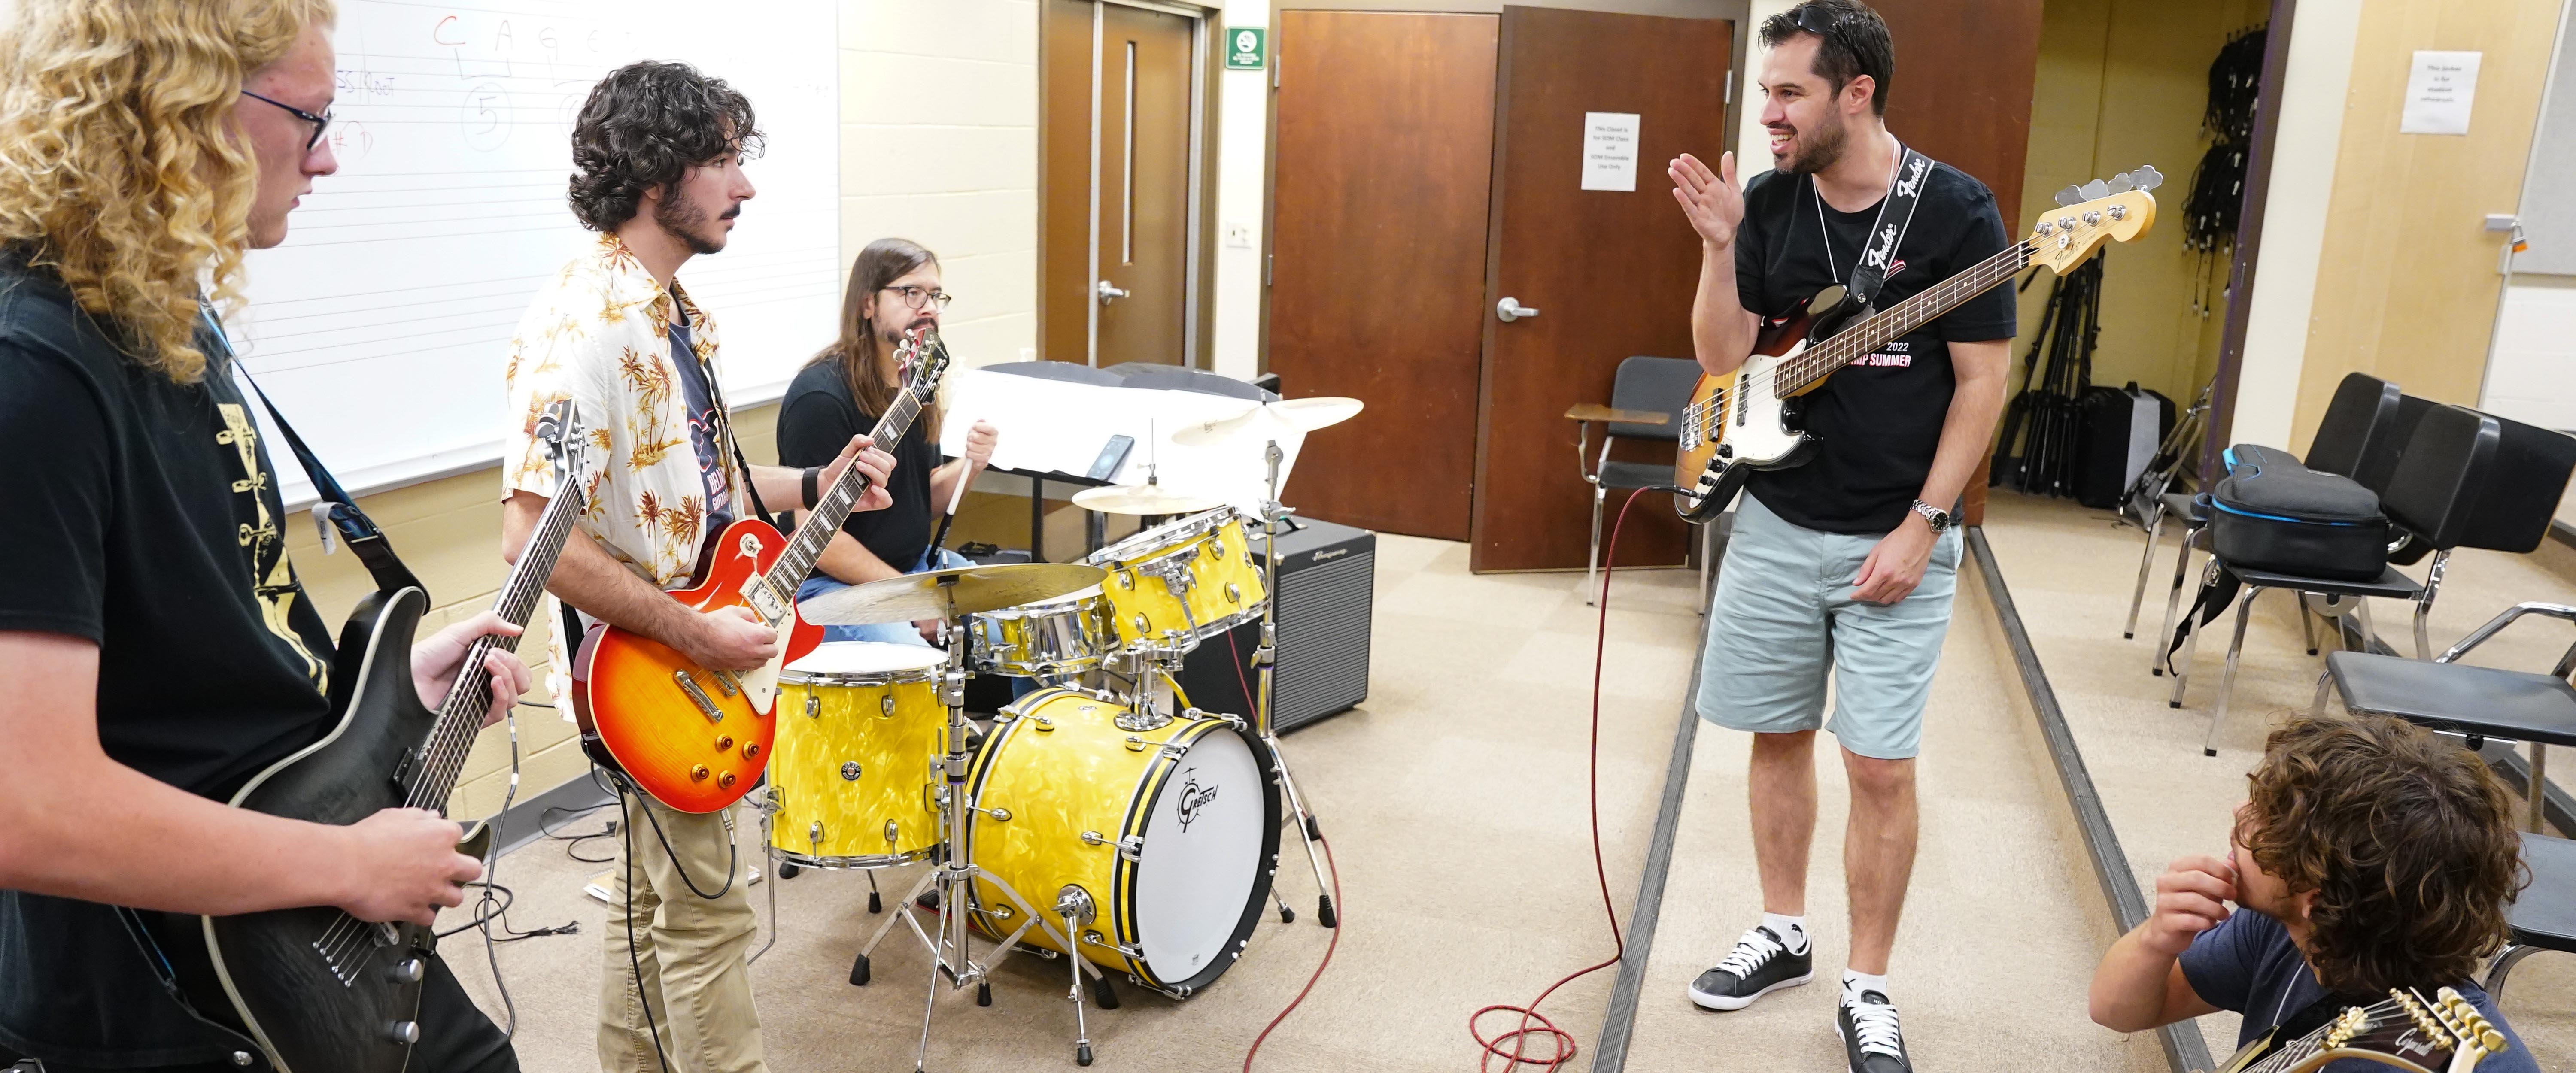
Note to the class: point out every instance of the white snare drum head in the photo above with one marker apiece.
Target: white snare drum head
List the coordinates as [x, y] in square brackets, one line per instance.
[1202, 856]
[867, 657]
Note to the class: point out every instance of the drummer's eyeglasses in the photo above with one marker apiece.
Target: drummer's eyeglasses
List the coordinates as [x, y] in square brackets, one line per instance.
[916, 297]
[320, 122]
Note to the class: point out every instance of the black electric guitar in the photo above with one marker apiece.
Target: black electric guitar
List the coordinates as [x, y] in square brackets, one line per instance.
[319, 990]
[2407, 1031]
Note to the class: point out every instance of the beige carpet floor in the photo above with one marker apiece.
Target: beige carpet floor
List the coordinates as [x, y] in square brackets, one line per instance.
[2071, 571]
[2003, 921]
[1454, 798]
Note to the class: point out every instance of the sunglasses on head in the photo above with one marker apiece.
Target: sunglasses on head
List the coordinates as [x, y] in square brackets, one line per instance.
[1816, 20]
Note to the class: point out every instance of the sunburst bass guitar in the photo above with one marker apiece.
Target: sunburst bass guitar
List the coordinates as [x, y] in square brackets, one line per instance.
[1747, 420]
[321, 991]
[697, 739]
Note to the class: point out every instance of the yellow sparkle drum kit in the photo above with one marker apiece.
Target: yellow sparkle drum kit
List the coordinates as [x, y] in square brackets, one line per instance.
[1102, 820]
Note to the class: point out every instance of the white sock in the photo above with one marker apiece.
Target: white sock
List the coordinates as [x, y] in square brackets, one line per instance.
[1791, 930]
[1855, 982]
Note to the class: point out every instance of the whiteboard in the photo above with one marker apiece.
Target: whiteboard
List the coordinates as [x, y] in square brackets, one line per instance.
[2548, 214]
[382, 324]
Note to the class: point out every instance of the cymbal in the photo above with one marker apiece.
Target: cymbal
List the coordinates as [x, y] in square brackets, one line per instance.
[1141, 499]
[1271, 419]
[914, 597]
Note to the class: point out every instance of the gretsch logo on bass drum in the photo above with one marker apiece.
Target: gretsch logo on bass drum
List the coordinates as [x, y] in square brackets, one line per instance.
[1194, 797]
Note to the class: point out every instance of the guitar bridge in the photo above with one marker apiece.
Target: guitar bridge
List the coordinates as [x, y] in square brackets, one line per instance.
[698, 696]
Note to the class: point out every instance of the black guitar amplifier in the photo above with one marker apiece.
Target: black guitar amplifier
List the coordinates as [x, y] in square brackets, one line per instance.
[1327, 593]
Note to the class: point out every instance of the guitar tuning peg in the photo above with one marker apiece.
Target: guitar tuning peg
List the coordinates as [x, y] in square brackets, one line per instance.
[2069, 196]
[2120, 183]
[2147, 177]
[2096, 189]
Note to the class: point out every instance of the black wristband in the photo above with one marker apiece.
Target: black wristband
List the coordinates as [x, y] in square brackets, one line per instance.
[813, 478]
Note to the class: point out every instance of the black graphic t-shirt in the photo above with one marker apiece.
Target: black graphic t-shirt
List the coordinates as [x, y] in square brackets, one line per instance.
[706, 427]
[818, 418]
[143, 516]
[1878, 420]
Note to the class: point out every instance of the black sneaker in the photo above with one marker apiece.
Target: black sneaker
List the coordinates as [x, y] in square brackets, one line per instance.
[1759, 965]
[1871, 1039]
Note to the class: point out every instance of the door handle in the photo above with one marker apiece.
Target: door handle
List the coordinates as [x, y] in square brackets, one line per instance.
[1108, 293]
[1510, 309]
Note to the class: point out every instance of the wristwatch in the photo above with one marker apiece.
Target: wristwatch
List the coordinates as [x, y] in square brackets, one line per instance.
[1940, 519]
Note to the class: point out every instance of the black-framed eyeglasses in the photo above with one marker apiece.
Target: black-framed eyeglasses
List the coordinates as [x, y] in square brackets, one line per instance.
[320, 122]
[916, 297]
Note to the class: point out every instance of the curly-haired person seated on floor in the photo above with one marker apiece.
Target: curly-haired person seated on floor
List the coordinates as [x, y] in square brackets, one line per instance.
[2368, 855]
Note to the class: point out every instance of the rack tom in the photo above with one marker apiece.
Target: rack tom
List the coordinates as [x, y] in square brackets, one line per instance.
[860, 735]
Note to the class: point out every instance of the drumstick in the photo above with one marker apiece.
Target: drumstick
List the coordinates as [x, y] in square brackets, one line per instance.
[955, 496]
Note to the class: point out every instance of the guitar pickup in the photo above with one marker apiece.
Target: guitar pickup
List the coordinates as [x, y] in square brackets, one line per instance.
[765, 600]
[698, 695]
[728, 681]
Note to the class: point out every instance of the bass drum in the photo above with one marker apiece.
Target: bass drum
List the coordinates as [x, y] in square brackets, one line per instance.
[1164, 838]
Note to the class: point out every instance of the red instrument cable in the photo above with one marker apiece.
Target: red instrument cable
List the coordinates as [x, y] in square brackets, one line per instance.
[1534, 1023]
[1330, 865]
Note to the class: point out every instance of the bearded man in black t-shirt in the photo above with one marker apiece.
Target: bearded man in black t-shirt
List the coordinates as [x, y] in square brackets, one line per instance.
[1846, 563]
[157, 645]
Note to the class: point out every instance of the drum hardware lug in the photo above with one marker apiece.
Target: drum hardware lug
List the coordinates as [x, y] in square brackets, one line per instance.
[1175, 752]
[997, 911]
[1127, 579]
[698, 696]
[885, 706]
[698, 773]
[891, 833]
[1131, 953]
[1141, 627]
[999, 815]
[1044, 724]
[1216, 548]
[1131, 847]
[850, 771]
[814, 834]
[1075, 902]
[813, 706]
[1233, 593]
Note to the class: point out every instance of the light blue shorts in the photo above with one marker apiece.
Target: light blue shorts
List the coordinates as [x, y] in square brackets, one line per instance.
[1784, 615]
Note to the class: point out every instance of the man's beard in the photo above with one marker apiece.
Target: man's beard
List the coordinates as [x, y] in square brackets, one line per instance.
[1817, 149]
[684, 220]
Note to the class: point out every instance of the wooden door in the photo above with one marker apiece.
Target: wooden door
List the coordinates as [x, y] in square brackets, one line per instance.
[1383, 159]
[1115, 173]
[1973, 116]
[1611, 272]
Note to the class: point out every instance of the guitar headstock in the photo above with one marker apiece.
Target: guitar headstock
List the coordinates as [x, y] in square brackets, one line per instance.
[930, 362]
[567, 440]
[2442, 1034]
[2105, 210]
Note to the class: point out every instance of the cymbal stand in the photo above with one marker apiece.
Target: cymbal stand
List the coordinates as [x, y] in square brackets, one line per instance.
[954, 876]
[1263, 658]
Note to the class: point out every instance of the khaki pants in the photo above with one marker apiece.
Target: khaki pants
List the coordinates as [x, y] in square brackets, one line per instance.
[688, 950]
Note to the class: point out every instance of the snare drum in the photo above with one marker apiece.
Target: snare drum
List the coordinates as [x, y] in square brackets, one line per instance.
[860, 736]
[1162, 840]
[1177, 584]
[1066, 635]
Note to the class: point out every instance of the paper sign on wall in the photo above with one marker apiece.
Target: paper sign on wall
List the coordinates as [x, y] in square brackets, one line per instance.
[2439, 92]
[1610, 151]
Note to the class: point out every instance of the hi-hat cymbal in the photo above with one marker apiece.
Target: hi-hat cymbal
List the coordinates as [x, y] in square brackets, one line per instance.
[1269, 420]
[1141, 499]
[976, 589]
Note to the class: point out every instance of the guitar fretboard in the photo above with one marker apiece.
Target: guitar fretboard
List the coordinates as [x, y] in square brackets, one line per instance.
[460, 716]
[1819, 361]
[797, 562]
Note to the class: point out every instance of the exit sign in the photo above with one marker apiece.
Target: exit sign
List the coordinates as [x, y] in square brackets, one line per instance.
[1243, 47]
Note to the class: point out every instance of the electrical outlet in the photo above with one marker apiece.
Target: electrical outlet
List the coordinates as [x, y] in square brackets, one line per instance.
[1238, 236]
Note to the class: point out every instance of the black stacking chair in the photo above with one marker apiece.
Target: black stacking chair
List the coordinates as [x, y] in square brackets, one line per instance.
[2544, 917]
[1645, 396]
[2364, 430]
[2436, 489]
[2481, 702]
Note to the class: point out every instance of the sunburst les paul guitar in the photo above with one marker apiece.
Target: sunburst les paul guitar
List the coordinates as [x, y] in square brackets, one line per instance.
[695, 738]
[1747, 420]
[2407, 1032]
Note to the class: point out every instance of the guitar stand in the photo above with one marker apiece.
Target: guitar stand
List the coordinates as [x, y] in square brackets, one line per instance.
[1308, 830]
[953, 876]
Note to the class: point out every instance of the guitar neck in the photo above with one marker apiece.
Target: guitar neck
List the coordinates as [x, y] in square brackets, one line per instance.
[1822, 360]
[797, 562]
[460, 716]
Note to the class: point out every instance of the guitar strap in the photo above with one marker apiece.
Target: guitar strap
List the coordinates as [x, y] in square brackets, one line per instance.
[168, 977]
[1895, 215]
[335, 506]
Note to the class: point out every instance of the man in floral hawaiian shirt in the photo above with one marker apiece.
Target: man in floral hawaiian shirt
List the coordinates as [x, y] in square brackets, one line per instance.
[657, 154]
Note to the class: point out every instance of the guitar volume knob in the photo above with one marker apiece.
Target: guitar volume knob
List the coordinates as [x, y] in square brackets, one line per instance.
[407, 971]
[725, 781]
[403, 1032]
[698, 773]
